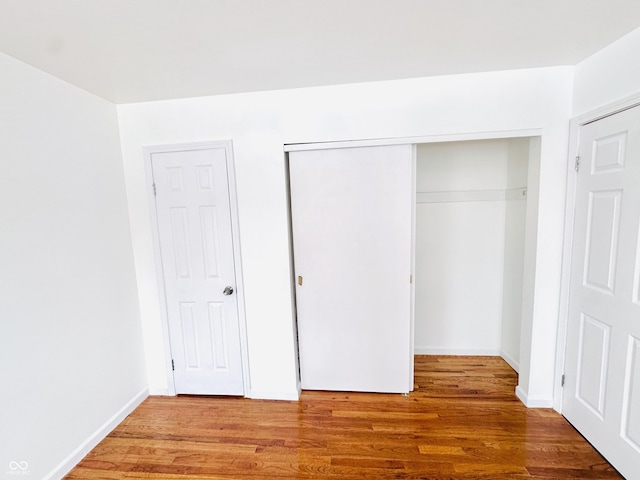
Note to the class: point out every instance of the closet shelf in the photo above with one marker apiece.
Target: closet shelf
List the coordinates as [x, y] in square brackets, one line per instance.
[472, 195]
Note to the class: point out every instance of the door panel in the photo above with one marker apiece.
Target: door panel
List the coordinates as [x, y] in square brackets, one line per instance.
[631, 412]
[602, 389]
[602, 239]
[592, 367]
[196, 243]
[352, 228]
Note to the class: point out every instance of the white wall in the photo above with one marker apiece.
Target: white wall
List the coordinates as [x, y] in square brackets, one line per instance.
[514, 253]
[610, 75]
[70, 341]
[534, 240]
[260, 123]
[460, 247]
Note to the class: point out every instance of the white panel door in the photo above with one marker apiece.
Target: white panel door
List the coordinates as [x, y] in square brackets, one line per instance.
[196, 244]
[352, 227]
[602, 389]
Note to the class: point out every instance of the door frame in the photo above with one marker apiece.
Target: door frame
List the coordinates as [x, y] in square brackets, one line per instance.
[422, 139]
[567, 249]
[227, 145]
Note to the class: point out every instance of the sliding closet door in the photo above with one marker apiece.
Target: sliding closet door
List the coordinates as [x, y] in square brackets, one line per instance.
[352, 220]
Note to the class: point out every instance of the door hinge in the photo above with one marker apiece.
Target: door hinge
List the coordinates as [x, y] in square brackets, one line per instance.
[173, 365]
[154, 189]
[300, 280]
[578, 163]
[562, 381]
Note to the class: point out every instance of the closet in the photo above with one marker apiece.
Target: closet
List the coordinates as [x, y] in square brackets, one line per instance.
[406, 249]
[470, 241]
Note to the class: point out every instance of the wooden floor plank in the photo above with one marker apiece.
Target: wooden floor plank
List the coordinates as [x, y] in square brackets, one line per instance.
[462, 422]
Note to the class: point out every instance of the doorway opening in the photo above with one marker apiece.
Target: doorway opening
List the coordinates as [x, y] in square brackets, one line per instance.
[471, 212]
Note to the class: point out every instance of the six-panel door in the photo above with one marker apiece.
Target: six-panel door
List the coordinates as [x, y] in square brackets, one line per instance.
[602, 390]
[196, 243]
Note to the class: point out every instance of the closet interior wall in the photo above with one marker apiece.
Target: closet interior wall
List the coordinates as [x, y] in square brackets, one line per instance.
[470, 235]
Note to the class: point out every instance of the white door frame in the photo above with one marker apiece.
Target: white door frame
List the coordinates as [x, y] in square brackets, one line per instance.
[237, 258]
[570, 204]
[456, 137]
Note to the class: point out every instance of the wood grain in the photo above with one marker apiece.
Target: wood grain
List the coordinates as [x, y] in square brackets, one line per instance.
[462, 422]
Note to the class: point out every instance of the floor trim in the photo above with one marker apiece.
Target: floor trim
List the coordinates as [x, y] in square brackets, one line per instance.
[533, 402]
[456, 351]
[89, 444]
[293, 396]
[511, 361]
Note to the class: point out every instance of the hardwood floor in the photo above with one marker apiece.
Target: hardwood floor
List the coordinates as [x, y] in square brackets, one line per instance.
[462, 422]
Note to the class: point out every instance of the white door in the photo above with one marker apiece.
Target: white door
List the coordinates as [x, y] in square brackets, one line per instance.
[196, 244]
[352, 228]
[602, 389]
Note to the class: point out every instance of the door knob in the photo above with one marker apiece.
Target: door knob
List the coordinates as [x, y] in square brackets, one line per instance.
[228, 290]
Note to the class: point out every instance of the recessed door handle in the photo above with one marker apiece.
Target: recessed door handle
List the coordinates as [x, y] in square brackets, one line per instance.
[228, 290]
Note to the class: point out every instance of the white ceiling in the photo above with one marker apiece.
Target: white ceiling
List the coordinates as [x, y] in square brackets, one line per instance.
[139, 50]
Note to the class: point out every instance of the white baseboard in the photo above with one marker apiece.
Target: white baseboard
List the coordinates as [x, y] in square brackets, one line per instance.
[161, 392]
[256, 395]
[511, 361]
[533, 402]
[456, 351]
[79, 453]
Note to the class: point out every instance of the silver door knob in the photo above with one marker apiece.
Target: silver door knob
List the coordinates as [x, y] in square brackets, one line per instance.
[228, 290]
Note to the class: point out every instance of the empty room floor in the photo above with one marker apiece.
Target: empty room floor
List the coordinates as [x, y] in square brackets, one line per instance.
[463, 421]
